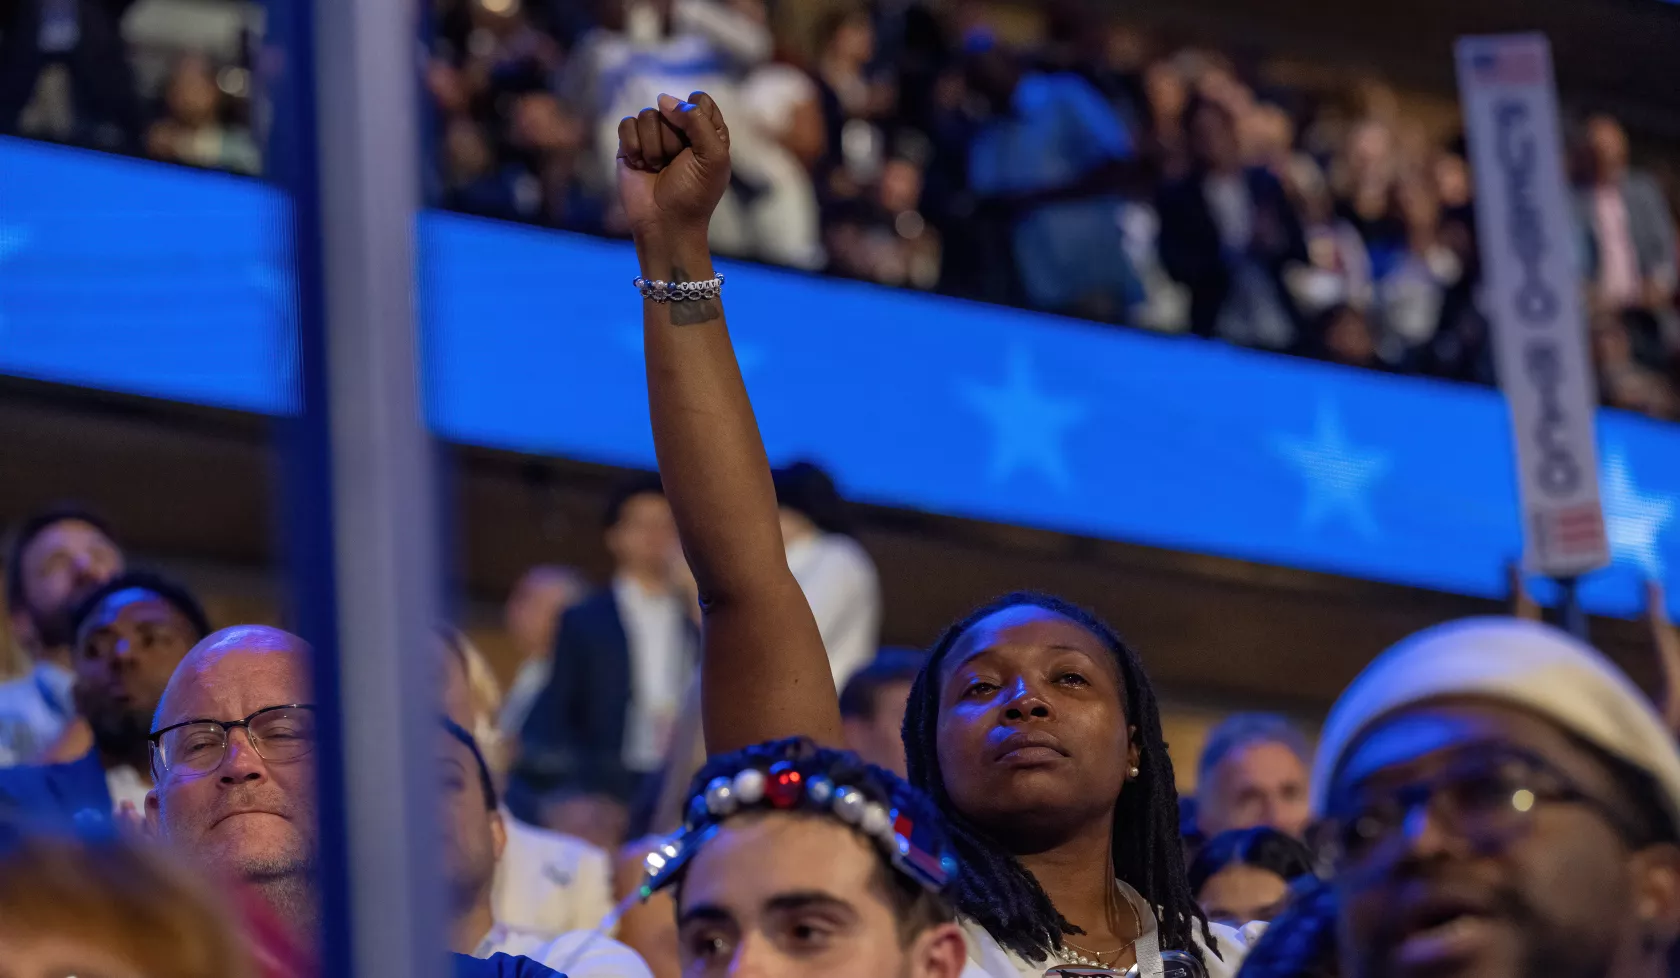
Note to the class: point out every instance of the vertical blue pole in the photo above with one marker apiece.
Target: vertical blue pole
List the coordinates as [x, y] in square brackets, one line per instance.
[358, 525]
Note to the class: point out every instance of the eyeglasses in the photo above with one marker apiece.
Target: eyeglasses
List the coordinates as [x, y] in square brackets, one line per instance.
[1488, 798]
[276, 733]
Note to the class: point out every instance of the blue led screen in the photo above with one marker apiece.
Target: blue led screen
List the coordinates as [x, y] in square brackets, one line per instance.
[170, 283]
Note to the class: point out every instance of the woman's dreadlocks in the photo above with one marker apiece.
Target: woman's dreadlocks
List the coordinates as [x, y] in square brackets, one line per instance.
[995, 890]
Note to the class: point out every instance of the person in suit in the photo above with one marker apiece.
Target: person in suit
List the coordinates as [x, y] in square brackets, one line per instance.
[598, 733]
[1227, 233]
[130, 634]
[1630, 232]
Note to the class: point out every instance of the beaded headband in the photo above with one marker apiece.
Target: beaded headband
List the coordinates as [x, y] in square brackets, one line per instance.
[911, 849]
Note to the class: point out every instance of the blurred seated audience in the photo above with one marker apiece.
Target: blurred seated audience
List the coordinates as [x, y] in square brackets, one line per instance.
[1253, 772]
[832, 568]
[532, 618]
[1050, 162]
[598, 733]
[1246, 875]
[194, 129]
[1228, 233]
[546, 883]
[114, 909]
[787, 840]
[1501, 800]
[1344, 334]
[130, 635]
[56, 559]
[872, 707]
[85, 36]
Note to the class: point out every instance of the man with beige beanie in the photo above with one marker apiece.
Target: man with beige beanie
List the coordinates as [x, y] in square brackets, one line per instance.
[1501, 803]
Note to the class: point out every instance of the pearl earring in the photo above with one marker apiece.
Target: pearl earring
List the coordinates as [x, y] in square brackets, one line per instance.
[1134, 771]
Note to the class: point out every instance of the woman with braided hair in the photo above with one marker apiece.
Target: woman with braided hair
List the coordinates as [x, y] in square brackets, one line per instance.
[1033, 726]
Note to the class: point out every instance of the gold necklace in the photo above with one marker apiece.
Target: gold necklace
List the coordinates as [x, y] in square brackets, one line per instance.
[1076, 954]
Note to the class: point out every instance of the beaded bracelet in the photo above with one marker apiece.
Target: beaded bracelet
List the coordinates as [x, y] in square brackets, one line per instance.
[659, 291]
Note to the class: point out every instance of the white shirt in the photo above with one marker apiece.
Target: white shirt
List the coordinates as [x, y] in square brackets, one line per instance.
[1232, 210]
[841, 585]
[660, 666]
[548, 883]
[35, 708]
[1618, 260]
[579, 954]
[988, 959]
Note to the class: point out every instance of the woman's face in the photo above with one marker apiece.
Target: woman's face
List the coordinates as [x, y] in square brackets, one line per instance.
[1032, 739]
[1241, 893]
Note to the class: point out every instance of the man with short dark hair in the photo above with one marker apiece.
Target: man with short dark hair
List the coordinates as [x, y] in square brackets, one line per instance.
[474, 840]
[1253, 771]
[1502, 803]
[799, 860]
[57, 558]
[623, 659]
[131, 633]
[872, 707]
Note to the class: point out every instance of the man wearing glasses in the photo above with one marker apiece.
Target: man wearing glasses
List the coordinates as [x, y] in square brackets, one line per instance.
[233, 760]
[235, 787]
[1501, 803]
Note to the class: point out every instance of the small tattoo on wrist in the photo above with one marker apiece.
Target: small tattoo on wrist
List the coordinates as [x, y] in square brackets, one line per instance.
[694, 311]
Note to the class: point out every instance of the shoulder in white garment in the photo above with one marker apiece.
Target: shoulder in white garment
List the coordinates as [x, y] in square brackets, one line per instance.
[989, 959]
[579, 954]
[550, 883]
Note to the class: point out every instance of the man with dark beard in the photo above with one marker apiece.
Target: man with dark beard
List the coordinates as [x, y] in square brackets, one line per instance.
[57, 558]
[130, 634]
[1502, 803]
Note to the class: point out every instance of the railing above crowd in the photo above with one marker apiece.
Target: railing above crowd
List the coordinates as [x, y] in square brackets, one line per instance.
[1104, 174]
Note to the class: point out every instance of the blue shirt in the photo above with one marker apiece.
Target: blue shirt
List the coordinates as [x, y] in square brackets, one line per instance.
[1058, 129]
[501, 966]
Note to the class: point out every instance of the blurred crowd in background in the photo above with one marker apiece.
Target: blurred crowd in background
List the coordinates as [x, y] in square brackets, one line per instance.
[1105, 172]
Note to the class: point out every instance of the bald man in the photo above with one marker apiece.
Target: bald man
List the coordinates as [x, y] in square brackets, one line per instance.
[233, 758]
[234, 739]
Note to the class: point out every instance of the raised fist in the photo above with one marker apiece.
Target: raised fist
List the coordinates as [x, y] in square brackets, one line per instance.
[673, 165]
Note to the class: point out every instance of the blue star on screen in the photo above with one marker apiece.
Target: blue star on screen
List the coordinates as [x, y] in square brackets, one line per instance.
[1337, 475]
[1027, 423]
[1633, 520]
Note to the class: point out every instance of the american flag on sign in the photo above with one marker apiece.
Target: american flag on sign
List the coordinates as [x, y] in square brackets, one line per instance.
[1509, 64]
[1574, 530]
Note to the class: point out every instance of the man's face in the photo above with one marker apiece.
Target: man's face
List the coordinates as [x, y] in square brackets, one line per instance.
[126, 651]
[776, 894]
[879, 739]
[1262, 783]
[1562, 895]
[474, 834]
[1609, 146]
[61, 566]
[248, 818]
[645, 536]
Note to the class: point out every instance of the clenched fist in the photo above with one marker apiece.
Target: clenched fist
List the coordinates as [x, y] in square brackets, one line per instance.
[673, 166]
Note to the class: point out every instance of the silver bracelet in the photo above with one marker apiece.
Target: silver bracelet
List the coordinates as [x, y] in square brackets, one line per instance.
[658, 291]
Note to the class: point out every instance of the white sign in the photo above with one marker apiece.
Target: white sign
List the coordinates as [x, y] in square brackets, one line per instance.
[1532, 294]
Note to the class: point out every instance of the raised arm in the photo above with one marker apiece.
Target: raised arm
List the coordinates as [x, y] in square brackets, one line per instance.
[764, 673]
